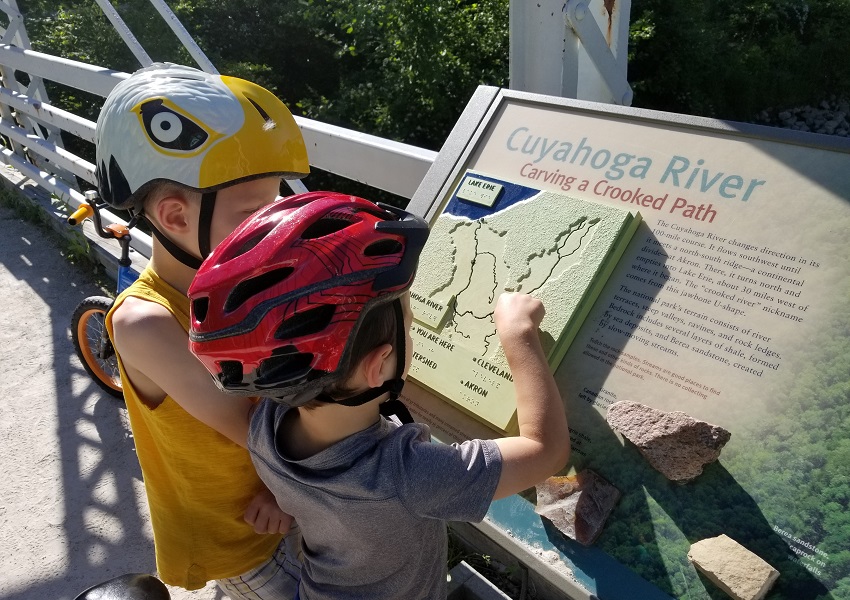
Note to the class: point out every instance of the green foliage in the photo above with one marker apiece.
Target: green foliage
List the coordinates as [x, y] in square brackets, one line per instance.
[25, 209]
[270, 43]
[797, 459]
[407, 68]
[91, 37]
[78, 30]
[732, 59]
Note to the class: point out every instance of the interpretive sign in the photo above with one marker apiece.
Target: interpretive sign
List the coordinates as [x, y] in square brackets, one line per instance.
[558, 248]
[731, 304]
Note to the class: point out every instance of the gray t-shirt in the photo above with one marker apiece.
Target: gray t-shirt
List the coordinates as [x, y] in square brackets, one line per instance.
[372, 508]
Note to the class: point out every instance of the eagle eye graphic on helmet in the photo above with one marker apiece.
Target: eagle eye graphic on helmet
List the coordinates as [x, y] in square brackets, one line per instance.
[169, 129]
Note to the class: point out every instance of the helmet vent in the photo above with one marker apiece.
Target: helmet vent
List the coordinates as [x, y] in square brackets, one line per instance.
[231, 373]
[200, 307]
[285, 365]
[256, 285]
[249, 244]
[260, 110]
[324, 227]
[383, 248]
[306, 322]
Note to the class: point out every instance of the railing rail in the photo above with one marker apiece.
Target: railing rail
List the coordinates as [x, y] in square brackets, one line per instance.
[381, 163]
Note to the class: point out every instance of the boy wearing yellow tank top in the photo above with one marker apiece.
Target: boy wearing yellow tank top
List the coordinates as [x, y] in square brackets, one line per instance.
[194, 154]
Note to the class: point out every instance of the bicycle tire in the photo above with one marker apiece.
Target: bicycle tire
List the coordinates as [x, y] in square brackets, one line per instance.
[87, 332]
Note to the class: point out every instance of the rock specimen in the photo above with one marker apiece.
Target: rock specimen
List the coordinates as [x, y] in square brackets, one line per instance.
[733, 568]
[674, 443]
[578, 506]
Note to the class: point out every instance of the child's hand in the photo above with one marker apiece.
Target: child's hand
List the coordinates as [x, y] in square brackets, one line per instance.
[517, 314]
[266, 516]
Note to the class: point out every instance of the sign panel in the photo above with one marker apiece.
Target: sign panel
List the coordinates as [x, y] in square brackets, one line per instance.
[731, 304]
[474, 253]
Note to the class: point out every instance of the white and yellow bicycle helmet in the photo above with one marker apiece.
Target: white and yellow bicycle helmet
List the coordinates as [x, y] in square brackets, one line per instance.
[171, 123]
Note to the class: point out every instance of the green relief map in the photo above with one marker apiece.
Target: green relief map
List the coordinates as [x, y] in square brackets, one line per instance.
[496, 236]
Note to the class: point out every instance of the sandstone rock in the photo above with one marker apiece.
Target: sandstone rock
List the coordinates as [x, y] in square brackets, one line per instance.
[674, 443]
[578, 506]
[731, 567]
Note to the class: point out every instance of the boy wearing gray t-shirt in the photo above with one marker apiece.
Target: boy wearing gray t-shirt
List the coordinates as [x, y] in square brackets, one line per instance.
[307, 304]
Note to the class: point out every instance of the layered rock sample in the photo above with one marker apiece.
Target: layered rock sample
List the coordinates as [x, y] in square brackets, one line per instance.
[731, 567]
[674, 443]
[577, 506]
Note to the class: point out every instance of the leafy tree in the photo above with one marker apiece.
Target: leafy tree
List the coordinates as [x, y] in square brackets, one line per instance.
[732, 59]
[407, 68]
[270, 43]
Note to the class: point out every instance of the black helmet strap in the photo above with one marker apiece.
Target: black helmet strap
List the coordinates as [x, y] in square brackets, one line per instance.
[204, 232]
[191, 261]
[205, 223]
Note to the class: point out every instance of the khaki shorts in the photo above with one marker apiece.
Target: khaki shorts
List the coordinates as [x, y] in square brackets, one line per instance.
[276, 579]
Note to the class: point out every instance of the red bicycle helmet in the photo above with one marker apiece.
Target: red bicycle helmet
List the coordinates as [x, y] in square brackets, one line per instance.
[275, 306]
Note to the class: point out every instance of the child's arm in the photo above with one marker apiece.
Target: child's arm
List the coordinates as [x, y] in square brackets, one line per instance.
[543, 445]
[154, 350]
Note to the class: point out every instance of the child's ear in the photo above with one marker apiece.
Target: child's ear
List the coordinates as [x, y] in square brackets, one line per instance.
[378, 366]
[172, 214]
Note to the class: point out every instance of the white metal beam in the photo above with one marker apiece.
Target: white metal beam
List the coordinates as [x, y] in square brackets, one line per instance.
[75, 74]
[16, 35]
[602, 60]
[539, 47]
[64, 120]
[392, 166]
[558, 48]
[188, 42]
[121, 28]
[48, 181]
[55, 154]
[385, 164]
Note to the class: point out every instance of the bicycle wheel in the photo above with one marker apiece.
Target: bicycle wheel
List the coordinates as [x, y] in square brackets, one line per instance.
[88, 333]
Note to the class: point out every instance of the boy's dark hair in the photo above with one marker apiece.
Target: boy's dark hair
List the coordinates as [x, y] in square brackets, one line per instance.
[378, 327]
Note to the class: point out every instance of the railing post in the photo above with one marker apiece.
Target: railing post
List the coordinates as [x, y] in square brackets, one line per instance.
[543, 53]
[574, 48]
[602, 26]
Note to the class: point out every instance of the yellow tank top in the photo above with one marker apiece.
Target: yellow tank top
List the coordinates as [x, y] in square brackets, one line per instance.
[198, 482]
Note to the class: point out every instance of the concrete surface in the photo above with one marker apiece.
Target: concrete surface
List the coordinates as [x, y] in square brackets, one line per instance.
[72, 504]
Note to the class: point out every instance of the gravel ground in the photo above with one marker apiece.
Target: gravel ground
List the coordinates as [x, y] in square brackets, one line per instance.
[829, 117]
